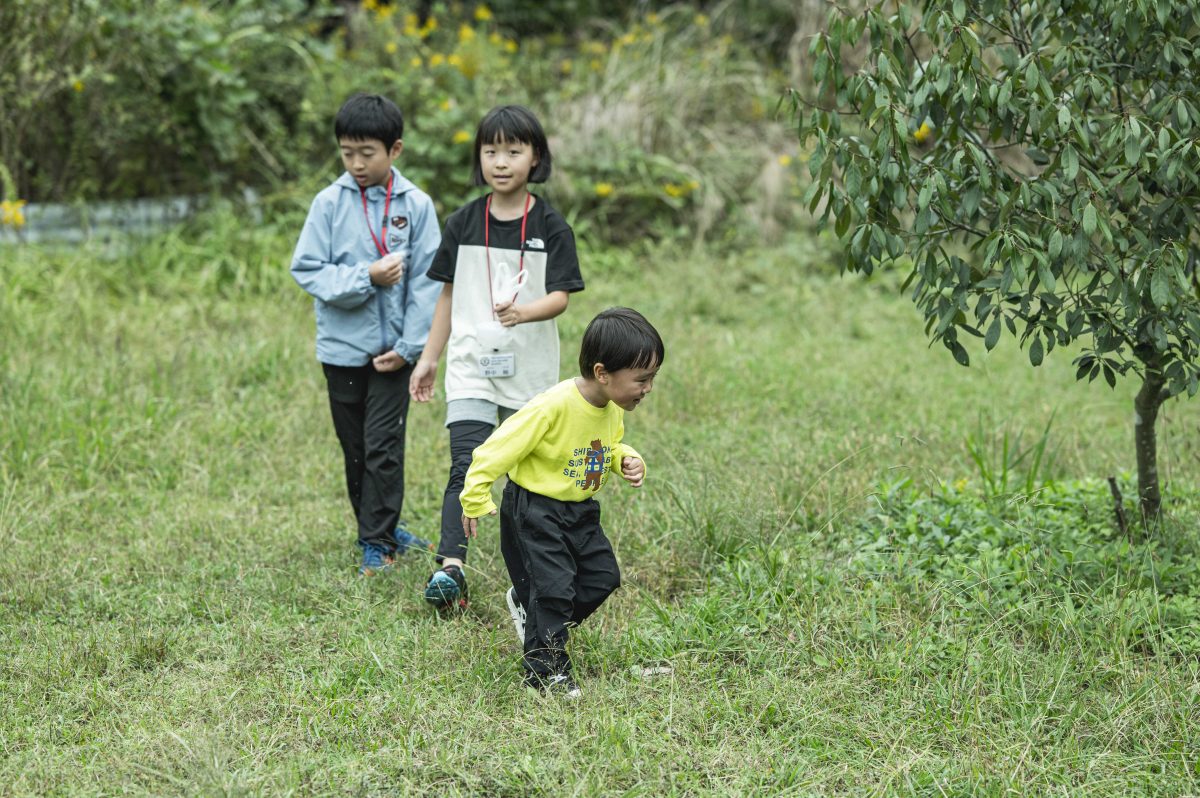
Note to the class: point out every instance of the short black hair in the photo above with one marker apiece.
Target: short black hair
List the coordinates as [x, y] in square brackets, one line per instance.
[369, 116]
[513, 123]
[620, 338]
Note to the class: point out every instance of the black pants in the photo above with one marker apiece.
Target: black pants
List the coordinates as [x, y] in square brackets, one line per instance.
[562, 566]
[464, 437]
[369, 409]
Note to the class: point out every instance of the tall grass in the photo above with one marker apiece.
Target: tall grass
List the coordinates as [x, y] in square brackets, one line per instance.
[179, 612]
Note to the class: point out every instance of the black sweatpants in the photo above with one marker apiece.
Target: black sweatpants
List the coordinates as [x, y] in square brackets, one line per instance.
[465, 436]
[369, 409]
[562, 566]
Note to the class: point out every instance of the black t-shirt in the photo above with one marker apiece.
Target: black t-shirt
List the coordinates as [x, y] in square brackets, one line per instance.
[484, 277]
[546, 233]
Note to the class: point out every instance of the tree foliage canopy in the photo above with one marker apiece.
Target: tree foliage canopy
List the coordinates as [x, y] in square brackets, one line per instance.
[1057, 189]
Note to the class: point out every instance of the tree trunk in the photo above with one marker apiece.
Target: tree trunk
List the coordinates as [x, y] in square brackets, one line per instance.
[1145, 418]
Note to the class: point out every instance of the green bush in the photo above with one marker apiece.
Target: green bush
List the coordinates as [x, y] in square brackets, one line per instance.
[126, 99]
[1060, 543]
[661, 126]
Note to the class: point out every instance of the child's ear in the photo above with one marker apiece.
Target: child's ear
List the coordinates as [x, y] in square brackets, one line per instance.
[397, 148]
[600, 373]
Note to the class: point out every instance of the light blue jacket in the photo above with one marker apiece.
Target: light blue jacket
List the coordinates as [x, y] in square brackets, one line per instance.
[357, 320]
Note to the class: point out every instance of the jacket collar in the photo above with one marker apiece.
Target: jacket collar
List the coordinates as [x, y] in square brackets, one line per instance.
[400, 185]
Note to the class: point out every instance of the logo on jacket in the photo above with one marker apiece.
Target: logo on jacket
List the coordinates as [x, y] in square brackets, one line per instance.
[593, 472]
[535, 243]
[399, 222]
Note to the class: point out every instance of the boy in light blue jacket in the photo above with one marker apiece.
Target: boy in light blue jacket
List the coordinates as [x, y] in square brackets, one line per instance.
[363, 255]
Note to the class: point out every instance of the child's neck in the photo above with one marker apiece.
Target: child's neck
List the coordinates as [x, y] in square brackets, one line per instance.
[510, 205]
[590, 390]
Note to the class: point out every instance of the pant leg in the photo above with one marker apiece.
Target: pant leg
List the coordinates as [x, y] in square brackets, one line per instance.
[383, 436]
[464, 437]
[535, 528]
[347, 388]
[596, 572]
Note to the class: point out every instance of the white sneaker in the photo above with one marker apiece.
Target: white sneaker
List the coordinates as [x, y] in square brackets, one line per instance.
[517, 612]
[561, 682]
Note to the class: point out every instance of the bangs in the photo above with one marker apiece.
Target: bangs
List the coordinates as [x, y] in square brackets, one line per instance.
[506, 126]
[514, 124]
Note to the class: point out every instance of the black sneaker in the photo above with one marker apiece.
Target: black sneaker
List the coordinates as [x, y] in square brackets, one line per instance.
[447, 588]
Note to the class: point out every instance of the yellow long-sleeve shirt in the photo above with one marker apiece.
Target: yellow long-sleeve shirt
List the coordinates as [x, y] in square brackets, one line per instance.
[559, 445]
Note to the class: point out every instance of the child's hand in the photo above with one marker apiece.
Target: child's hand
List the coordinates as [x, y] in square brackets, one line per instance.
[387, 270]
[389, 361]
[420, 384]
[509, 314]
[633, 471]
[471, 526]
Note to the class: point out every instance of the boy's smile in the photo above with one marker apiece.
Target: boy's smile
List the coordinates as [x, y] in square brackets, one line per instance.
[626, 388]
[368, 161]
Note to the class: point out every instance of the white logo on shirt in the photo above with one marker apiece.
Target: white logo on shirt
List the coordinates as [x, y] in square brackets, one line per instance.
[535, 243]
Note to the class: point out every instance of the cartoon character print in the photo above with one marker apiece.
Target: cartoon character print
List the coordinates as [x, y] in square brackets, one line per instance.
[398, 233]
[594, 468]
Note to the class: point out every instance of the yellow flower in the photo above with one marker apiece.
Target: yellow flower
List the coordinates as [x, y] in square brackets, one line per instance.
[455, 60]
[785, 160]
[483, 13]
[565, 66]
[415, 62]
[384, 12]
[604, 189]
[445, 104]
[461, 137]
[702, 20]
[436, 60]
[674, 190]
[495, 38]
[923, 133]
[77, 85]
[596, 64]
[410, 25]
[370, 5]
[11, 213]
[693, 185]
[465, 33]
[510, 46]
[430, 26]
[391, 47]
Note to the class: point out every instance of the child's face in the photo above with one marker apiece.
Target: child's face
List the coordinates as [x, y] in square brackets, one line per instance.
[368, 161]
[506, 165]
[626, 388]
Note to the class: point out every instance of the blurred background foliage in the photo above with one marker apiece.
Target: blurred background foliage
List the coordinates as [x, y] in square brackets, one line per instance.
[662, 117]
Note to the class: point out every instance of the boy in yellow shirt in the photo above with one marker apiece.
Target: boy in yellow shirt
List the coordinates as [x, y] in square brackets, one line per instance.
[558, 451]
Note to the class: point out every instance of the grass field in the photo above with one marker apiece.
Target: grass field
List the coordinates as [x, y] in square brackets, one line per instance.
[180, 613]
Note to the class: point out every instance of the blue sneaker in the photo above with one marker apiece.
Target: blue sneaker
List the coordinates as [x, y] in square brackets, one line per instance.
[447, 588]
[374, 560]
[406, 540]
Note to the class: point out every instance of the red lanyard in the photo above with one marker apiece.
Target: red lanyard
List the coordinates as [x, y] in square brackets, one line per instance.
[487, 215]
[387, 205]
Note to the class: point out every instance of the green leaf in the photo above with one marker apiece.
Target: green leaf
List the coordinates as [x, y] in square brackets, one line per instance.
[1160, 287]
[1035, 351]
[959, 352]
[1089, 219]
[993, 333]
[1056, 244]
[1064, 119]
[1045, 275]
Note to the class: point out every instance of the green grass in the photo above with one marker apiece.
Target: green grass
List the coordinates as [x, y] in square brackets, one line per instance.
[179, 611]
